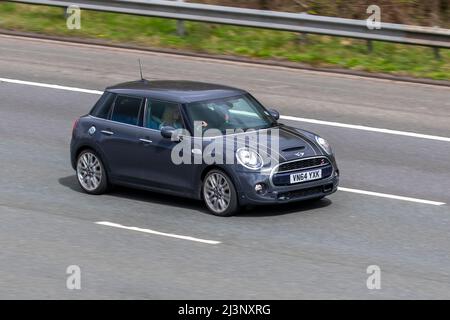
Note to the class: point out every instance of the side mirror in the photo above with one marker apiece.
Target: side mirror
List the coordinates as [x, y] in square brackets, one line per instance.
[274, 113]
[167, 132]
[171, 133]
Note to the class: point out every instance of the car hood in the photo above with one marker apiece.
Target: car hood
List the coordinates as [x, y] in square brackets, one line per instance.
[296, 144]
[284, 143]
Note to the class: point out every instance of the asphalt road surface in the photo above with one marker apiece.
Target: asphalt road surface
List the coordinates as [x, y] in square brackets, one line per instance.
[278, 252]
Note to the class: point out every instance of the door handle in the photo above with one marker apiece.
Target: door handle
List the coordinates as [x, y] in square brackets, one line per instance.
[107, 132]
[145, 140]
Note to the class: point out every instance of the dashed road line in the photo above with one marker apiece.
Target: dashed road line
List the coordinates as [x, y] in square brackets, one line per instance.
[171, 235]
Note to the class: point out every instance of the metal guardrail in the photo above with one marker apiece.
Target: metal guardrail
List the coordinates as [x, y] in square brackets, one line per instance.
[295, 22]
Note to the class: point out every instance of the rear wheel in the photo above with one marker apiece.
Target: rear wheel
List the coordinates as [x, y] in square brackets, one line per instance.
[220, 194]
[91, 173]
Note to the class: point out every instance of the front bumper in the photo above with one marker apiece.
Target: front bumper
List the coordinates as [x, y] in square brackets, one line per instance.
[275, 194]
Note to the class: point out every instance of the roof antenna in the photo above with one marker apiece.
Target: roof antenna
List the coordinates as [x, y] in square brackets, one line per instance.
[140, 69]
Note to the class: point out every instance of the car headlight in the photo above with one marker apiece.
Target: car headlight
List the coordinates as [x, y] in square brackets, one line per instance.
[249, 158]
[324, 144]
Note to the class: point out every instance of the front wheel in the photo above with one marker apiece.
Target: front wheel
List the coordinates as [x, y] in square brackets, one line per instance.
[91, 173]
[219, 194]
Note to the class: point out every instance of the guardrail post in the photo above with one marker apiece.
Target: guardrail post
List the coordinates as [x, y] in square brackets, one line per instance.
[437, 53]
[369, 46]
[181, 30]
[303, 38]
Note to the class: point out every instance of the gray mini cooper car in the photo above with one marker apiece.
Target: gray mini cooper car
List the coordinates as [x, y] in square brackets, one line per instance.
[199, 140]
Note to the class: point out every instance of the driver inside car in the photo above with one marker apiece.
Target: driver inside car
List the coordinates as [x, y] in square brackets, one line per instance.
[172, 118]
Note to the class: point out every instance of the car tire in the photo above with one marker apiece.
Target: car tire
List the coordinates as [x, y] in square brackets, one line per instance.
[91, 173]
[219, 194]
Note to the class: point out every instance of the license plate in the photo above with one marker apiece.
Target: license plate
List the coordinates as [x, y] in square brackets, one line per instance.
[306, 176]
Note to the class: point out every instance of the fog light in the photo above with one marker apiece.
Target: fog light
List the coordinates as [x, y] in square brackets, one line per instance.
[260, 188]
[327, 188]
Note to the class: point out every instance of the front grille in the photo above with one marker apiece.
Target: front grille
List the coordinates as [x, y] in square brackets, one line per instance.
[303, 164]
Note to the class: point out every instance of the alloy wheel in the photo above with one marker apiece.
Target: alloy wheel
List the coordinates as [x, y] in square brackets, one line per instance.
[217, 193]
[89, 171]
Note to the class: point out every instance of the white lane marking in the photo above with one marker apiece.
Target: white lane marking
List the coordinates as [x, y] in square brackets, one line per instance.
[391, 196]
[321, 122]
[373, 129]
[51, 86]
[171, 235]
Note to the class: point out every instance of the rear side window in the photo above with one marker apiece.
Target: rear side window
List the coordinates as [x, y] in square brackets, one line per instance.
[103, 105]
[127, 110]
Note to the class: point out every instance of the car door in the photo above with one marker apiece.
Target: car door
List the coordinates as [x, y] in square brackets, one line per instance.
[154, 156]
[119, 137]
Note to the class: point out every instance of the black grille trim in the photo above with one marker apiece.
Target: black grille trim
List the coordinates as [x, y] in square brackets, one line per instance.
[303, 164]
[300, 193]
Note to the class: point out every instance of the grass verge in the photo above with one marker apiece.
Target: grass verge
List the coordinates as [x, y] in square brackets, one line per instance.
[320, 51]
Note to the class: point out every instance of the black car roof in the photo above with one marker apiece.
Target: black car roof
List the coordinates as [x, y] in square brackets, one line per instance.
[176, 91]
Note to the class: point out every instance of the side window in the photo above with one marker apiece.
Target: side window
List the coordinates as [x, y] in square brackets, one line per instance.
[103, 105]
[161, 114]
[127, 110]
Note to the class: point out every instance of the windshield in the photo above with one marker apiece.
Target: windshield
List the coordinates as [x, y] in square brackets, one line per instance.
[240, 112]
